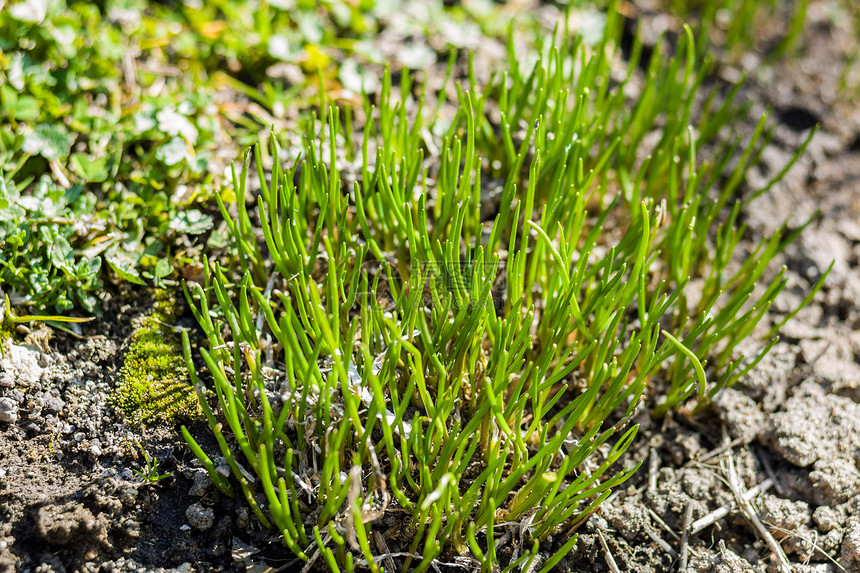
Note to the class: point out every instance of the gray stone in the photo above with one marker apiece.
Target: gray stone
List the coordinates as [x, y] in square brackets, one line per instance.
[200, 517]
[202, 483]
[8, 410]
[23, 364]
[53, 404]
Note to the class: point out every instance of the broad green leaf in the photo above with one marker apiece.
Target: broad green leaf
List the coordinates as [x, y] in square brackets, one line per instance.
[51, 141]
[163, 268]
[61, 254]
[173, 152]
[192, 222]
[123, 267]
[4, 194]
[27, 108]
[89, 168]
[87, 270]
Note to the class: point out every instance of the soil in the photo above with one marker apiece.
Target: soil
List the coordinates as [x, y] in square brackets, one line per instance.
[789, 433]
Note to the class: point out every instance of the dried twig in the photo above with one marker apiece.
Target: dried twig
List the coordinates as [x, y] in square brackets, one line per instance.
[685, 537]
[724, 510]
[811, 540]
[532, 566]
[525, 524]
[662, 524]
[749, 512]
[780, 489]
[717, 451]
[653, 468]
[661, 542]
[361, 562]
[312, 560]
[386, 553]
[351, 499]
[129, 70]
[610, 561]
[57, 170]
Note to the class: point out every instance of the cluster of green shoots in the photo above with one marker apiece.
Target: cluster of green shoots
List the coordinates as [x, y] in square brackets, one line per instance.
[412, 348]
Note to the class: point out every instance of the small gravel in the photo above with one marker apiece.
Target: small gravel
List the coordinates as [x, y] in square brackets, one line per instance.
[8, 410]
[199, 516]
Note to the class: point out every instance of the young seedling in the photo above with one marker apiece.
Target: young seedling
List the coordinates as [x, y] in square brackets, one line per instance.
[149, 474]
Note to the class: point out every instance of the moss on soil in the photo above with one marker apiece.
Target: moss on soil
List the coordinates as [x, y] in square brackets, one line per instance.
[154, 385]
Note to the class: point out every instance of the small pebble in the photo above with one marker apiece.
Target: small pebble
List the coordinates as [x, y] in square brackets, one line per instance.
[8, 410]
[6, 379]
[53, 404]
[202, 483]
[199, 516]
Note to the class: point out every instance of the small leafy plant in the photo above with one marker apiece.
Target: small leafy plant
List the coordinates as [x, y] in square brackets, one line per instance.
[133, 109]
[149, 474]
[37, 260]
[409, 347]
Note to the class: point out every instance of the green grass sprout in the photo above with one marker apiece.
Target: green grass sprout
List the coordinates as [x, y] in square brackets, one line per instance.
[406, 343]
[149, 473]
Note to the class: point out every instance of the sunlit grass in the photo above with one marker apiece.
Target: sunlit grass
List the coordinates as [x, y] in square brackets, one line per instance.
[402, 346]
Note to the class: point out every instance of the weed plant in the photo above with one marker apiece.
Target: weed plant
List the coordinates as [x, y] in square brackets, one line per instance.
[149, 473]
[137, 107]
[411, 347]
[38, 264]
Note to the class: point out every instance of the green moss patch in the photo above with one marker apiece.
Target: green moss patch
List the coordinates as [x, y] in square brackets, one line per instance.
[154, 386]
